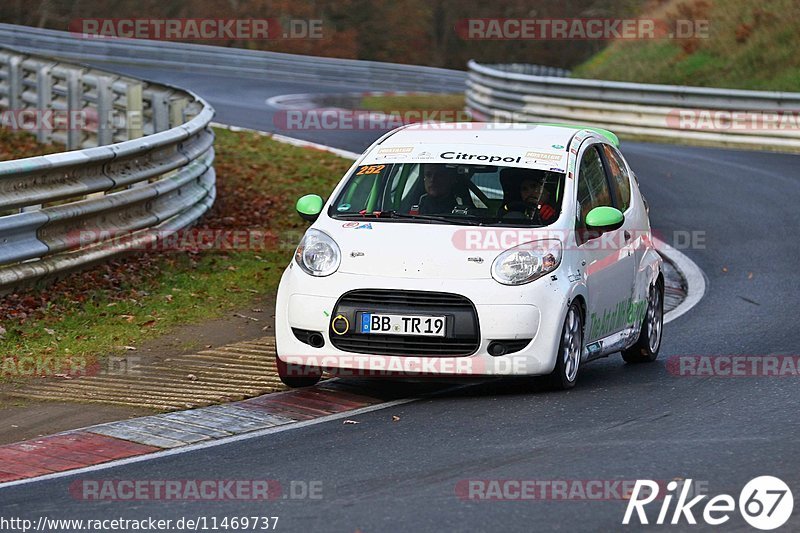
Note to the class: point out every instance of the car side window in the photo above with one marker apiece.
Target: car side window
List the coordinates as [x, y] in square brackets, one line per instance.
[618, 174]
[592, 184]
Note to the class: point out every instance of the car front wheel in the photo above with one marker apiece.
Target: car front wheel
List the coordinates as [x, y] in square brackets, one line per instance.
[568, 359]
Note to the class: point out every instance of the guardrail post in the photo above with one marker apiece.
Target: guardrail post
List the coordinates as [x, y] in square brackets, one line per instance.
[44, 93]
[105, 111]
[74, 109]
[15, 83]
[160, 107]
[134, 117]
[176, 108]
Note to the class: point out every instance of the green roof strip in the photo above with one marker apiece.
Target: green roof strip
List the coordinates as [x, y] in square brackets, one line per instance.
[600, 131]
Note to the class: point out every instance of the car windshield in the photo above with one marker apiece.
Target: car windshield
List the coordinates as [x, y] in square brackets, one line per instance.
[452, 193]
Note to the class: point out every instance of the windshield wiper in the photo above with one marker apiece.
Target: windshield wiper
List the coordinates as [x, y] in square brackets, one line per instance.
[407, 216]
[433, 218]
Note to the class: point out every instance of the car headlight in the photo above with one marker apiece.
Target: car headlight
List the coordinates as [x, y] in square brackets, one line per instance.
[527, 262]
[318, 254]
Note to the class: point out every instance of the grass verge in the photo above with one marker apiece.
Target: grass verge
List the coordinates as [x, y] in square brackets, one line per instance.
[747, 45]
[108, 308]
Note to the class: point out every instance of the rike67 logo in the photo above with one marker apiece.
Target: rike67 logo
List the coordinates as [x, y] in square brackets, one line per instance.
[765, 503]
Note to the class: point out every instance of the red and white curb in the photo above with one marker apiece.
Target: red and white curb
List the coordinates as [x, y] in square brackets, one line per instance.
[692, 274]
[65, 451]
[79, 450]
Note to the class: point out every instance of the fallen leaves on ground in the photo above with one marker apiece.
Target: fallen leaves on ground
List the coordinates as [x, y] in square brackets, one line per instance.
[18, 145]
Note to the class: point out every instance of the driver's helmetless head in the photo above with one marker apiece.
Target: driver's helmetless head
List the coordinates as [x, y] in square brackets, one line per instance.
[429, 171]
[438, 182]
[531, 190]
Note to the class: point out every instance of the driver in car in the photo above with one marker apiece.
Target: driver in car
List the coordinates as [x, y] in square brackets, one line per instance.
[440, 197]
[534, 196]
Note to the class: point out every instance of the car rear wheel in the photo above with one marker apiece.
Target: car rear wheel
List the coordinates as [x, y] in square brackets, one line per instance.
[649, 342]
[298, 376]
[568, 360]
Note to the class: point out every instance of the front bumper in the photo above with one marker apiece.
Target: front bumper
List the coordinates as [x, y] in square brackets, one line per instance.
[533, 311]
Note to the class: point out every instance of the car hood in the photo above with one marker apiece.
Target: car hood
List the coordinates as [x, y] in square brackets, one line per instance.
[409, 250]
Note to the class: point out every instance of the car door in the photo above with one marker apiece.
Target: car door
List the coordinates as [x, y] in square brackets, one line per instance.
[636, 227]
[606, 260]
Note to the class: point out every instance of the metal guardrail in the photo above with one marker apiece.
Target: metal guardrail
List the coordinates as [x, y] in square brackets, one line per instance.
[216, 60]
[533, 70]
[662, 112]
[140, 166]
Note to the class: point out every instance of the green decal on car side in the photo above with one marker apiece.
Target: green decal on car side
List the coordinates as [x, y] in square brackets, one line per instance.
[625, 313]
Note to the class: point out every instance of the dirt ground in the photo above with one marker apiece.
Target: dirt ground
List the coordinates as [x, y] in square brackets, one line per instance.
[22, 419]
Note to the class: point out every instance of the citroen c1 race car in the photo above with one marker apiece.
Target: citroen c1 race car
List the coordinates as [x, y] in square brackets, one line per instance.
[473, 249]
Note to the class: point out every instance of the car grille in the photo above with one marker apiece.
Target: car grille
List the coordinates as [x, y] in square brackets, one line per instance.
[413, 299]
[463, 335]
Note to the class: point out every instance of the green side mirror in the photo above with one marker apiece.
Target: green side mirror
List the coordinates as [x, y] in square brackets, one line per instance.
[604, 218]
[309, 207]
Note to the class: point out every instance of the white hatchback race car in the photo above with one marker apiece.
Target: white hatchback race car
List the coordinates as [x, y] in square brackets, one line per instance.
[469, 250]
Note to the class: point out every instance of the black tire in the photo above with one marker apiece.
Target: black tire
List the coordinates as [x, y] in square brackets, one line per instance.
[565, 375]
[646, 348]
[307, 377]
